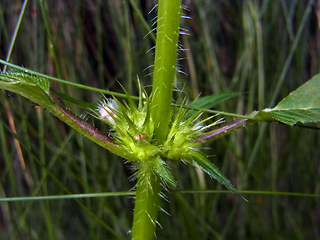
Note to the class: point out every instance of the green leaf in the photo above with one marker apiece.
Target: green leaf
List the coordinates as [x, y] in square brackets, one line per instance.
[300, 106]
[161, 169]
[208, 102]
[41, 82]
[29, 86]
[207, 166]
[36, 89]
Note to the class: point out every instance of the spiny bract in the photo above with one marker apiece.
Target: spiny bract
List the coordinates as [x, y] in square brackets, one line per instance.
[133, 129]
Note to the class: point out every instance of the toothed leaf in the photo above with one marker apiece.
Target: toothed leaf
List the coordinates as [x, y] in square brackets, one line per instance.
[300, 106]
[207, 166]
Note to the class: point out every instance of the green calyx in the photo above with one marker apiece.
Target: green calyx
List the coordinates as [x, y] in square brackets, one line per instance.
[133, 129]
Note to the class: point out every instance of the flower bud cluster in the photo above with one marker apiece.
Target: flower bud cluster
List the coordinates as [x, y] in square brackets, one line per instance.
[133, 129]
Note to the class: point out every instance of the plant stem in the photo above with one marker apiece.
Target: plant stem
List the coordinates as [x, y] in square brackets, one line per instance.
[222, 131]
[89, 131]
[169, 12]
[146, 203]
[148, 186]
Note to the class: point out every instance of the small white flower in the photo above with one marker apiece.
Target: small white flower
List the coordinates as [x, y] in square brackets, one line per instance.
[106, 110]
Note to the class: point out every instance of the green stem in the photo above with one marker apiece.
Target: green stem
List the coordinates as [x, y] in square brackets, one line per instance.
[224, 130]
[146, 203]
[169, 12]
[148, 186]
[89, 131]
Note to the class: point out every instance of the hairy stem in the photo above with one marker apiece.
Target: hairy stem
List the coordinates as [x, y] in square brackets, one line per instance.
[222, 131]
[146, 203]
[148, 186]
[89, 131]
[169, 12]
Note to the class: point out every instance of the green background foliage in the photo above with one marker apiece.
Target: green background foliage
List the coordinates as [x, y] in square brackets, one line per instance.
[260, 49]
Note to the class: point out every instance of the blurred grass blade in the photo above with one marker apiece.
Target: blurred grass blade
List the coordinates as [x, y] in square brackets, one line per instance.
[252, 192]
[300, 106]
[68, 196]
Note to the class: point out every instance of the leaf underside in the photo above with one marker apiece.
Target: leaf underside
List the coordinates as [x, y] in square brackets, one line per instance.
[300, 106]
[162, 170]
[203, 162]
